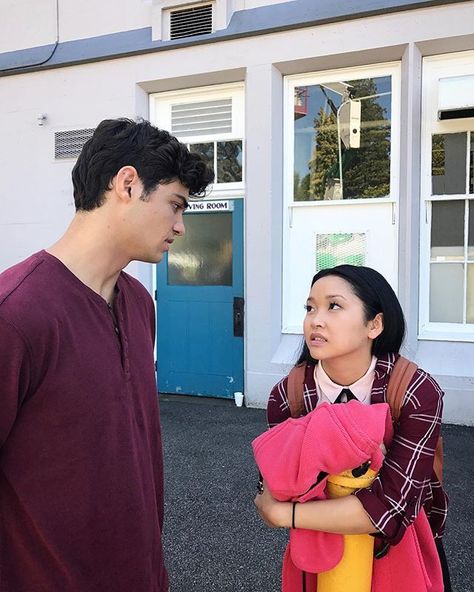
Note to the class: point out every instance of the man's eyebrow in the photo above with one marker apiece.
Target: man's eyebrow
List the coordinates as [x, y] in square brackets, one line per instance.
[185, 201]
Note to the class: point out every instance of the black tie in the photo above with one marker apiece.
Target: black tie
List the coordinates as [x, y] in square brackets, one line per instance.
[345, 396]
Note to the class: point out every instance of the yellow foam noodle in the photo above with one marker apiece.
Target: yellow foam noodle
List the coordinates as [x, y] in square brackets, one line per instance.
[354, 571]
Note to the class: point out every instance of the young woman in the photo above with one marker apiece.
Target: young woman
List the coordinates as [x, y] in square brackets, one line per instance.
[353, 331]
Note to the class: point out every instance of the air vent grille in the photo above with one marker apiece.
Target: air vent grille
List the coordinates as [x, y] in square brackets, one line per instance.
[203, 118]
[188, 22]
[69, 144]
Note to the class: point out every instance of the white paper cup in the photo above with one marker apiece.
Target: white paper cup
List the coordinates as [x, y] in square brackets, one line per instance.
[239, 398]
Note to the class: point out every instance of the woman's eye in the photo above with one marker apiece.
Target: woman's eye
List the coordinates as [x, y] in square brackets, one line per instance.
[308, 307]
[333, 306]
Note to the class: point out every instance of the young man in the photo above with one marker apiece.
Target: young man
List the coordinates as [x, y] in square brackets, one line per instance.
[81, 486]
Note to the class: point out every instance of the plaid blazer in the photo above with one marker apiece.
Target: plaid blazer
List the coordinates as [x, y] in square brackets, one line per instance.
[406, 482]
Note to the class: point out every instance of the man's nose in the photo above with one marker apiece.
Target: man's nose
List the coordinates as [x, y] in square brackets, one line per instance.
[179, 227]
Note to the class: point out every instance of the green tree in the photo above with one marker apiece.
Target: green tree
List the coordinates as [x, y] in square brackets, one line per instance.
[301, 187]
[325, 154]
[366, 170]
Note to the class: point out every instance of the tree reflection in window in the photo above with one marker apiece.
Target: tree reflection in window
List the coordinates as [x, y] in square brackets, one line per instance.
[321, 155]
[224, 157]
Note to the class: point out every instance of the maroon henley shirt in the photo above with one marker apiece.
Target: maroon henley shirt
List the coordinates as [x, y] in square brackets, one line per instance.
[81, 484]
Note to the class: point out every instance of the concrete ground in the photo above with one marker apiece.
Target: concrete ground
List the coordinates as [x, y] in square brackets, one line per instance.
[214, 540]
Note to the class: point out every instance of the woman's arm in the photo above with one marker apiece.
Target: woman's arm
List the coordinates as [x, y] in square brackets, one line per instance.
[278, 408]
[344, 515]
[403, 484]
[397, 495]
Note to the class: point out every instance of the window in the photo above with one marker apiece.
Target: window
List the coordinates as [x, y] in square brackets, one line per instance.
[210, 121]
[447, 225]
[342, 135]
[340, 178]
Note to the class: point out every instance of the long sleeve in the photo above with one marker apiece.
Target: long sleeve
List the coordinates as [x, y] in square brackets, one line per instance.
[277, 407]
[403, 484]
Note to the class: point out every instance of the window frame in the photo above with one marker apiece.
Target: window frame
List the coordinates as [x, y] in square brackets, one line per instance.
[160, 115]
[435, 68]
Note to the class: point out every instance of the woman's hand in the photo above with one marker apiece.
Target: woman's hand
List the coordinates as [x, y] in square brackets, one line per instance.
[275, 514]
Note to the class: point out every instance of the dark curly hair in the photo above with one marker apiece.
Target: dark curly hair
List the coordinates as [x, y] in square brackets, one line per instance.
[157, 156]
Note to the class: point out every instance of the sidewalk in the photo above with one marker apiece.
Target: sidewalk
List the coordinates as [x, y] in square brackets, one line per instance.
[214, 540]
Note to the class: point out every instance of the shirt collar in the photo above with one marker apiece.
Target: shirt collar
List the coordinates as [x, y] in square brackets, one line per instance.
[361, 388]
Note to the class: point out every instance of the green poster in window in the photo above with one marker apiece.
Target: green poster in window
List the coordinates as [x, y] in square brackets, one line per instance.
[340, 248]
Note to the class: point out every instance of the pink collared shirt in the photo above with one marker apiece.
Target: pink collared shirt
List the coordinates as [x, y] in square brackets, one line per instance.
[328, 390]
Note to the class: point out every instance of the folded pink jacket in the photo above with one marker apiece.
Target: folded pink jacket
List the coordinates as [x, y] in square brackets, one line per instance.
[332, 439]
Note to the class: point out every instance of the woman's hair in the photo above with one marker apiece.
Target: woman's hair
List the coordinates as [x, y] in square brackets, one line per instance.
[377, 296]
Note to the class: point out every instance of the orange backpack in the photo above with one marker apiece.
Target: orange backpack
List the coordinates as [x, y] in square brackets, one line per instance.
[400, 378]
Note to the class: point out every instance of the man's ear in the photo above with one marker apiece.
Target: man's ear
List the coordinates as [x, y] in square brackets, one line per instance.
[125, 183]
[376, 326]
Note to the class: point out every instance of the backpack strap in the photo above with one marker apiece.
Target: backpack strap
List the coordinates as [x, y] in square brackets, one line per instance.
[400, 378]
[295, 389]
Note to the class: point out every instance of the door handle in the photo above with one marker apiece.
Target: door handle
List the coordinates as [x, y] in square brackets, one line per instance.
[238, 317]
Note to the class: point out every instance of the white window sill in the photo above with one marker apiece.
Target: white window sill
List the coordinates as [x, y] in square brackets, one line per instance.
[338, 202]
[449, 332]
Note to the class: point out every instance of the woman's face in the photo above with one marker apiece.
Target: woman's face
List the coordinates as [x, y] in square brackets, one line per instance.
[335, 325]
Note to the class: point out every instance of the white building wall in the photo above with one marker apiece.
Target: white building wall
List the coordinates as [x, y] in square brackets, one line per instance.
[26, 24]
[36, 194]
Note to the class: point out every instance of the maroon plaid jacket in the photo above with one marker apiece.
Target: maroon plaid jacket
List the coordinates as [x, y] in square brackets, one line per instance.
[406, 482]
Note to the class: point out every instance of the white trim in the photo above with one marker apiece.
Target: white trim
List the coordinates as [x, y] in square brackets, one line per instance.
[338, 202]
[392, 69]
[435, 68]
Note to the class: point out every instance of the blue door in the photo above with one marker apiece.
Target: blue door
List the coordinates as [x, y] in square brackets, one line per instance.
[200, 304]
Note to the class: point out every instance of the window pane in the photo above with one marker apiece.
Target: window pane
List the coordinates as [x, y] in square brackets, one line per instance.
[206, 150]
[447, 230]
[448, 164]
[353, 118]
[470, 293]
[203, 256]
[446, 292]
[229, 161]
[470, 241]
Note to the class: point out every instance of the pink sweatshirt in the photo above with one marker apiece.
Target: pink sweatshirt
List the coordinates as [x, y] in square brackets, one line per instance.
[331, 439]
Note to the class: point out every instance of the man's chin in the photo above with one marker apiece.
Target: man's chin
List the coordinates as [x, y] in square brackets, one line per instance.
[155, 258]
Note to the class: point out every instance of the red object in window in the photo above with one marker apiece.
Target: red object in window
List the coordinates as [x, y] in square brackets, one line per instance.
[301, 101]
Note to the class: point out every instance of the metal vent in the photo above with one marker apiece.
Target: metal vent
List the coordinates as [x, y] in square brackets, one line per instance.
[188, 22]
[69, 144]
[203, 118]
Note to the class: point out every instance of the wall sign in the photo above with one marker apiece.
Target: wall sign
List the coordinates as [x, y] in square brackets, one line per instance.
[211, 206]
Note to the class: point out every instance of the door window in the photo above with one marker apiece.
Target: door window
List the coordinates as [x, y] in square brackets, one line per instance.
[203, 256]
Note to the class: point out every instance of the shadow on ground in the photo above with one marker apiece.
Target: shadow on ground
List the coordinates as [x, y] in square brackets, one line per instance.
[214, 541]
